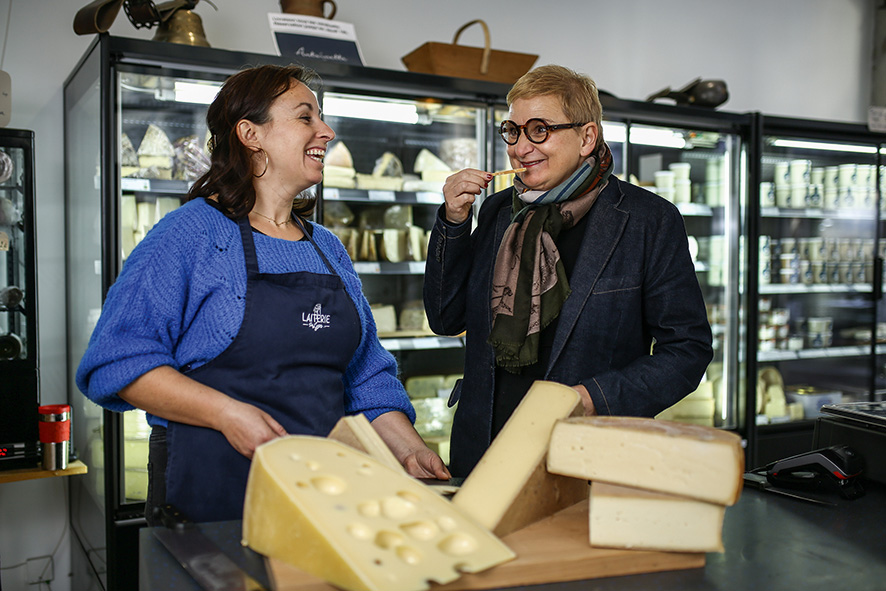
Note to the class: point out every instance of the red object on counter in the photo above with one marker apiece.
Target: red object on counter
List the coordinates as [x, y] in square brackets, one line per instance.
[55, 423]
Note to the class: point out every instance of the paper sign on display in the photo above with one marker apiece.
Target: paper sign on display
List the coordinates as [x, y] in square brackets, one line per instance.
[308, 37]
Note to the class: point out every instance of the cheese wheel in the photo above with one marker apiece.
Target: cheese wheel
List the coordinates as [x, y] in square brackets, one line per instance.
[341, 515]
[692, 461]
[635, 519]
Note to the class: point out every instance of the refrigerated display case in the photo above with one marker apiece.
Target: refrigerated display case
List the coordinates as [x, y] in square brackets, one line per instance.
[19, 387]
[819, 278]
[698, 159]
[135, 139]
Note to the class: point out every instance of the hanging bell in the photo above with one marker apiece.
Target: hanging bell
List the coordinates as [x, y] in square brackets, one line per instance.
[183, 26]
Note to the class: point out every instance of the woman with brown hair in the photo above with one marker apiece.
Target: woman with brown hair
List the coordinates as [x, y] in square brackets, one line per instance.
[236, 320]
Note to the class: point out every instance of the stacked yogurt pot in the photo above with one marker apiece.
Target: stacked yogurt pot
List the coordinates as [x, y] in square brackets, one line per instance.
[796, 184]
[816, 260]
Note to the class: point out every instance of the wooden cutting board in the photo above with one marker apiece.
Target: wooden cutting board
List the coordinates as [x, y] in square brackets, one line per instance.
[554, 549]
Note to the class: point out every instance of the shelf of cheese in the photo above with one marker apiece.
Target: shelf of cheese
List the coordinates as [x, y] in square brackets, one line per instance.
[370, 196]
[422, 343]
[818, 353]
[815, 213]
[157, 186]
[798, 288]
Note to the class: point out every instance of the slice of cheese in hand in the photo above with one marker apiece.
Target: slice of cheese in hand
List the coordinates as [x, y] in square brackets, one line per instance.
[342, 516]
[693, 461]
[636, 519]
[510, 487]
[357, 432]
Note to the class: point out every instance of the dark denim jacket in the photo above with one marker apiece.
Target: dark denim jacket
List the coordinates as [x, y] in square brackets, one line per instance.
[634, 281]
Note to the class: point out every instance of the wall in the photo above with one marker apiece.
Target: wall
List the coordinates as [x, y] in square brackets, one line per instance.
[802, 58]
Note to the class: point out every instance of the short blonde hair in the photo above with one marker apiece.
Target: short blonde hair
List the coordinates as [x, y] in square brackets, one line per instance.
[577, 93]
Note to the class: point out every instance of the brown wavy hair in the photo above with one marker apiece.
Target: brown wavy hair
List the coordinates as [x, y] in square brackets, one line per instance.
[248, 94]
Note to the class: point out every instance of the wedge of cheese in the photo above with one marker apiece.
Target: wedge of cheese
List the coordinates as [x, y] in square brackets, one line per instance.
[357, 432]
[385, 317]
[340, 515]
[510, 488]
[693, 461]
[156, 150]
[636, 519]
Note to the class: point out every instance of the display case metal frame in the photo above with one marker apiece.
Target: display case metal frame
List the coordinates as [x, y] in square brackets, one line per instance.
[769, 442]
[20, 386]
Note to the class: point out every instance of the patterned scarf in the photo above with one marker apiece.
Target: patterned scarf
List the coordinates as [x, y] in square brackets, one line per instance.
[529, 283]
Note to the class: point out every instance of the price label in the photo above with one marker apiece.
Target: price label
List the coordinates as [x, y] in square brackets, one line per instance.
[330, 193]
[429, 197]
[382, 196]
[4, 241]
[367, 268]
[135, 184]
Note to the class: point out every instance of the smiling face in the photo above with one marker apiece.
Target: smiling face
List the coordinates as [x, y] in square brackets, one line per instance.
[294, 140]
[550, 163]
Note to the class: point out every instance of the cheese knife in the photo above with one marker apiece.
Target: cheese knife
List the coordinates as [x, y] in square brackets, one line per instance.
[199, 555]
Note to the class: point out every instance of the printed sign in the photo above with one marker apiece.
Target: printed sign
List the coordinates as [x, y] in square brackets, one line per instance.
[298, 36]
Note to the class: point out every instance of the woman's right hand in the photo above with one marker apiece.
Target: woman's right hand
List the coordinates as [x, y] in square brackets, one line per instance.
[460, 190]
[246, 426]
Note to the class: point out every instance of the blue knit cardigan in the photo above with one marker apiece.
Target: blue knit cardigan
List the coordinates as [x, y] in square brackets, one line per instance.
[179, 301]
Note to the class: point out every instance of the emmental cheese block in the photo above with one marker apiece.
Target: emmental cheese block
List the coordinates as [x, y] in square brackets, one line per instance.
[344, 517]
[357, 432]
[510, 487]
[693, 461]
[636, 519]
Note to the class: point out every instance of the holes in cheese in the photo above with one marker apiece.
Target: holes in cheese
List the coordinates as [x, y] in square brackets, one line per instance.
[692, 461]
[510, 487]
[360, 525]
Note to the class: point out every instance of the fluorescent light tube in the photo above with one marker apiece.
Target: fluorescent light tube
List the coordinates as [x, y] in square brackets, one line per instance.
[358, 108]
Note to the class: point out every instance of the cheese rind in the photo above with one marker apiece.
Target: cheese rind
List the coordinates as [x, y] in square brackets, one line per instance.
[694, 461]
[356, 431]
[341, 515]
[509, 488]
[635, 519]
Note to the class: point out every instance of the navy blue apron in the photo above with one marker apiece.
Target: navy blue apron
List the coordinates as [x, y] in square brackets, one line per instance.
[299, 332]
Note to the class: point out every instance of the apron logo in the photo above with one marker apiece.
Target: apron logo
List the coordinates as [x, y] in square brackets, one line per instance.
[316, 319]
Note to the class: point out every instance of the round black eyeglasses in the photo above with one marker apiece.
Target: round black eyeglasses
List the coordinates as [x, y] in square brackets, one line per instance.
[536, 130]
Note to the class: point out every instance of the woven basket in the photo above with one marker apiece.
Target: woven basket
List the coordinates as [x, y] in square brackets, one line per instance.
[451, 59]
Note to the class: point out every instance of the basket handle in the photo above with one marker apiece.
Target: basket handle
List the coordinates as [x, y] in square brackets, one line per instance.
[484, 62]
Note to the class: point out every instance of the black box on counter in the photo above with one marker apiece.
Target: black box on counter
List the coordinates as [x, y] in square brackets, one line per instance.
[867, 436]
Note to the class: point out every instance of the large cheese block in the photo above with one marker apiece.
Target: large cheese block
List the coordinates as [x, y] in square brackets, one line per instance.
[694, 461]
[343, 516]
[510, 488]
[357, 432]
[385, 317]
[636, 519]
[394, 245]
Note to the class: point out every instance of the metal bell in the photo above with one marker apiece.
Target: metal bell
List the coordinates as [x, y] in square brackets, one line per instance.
[183, 26]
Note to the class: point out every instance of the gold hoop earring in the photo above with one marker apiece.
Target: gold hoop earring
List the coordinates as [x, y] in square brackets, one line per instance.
[267, 162]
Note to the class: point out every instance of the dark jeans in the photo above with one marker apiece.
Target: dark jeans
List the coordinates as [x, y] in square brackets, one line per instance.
[156, 473]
